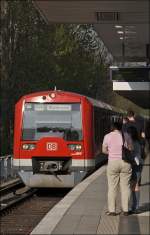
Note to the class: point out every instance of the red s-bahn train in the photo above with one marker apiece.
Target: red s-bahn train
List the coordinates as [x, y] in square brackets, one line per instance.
[57, 137]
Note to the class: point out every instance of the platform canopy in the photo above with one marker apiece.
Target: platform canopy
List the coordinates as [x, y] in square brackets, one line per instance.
[123, 25]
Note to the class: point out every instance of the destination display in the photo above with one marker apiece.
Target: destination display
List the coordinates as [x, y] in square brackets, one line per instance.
[47, 107]
[59, 107]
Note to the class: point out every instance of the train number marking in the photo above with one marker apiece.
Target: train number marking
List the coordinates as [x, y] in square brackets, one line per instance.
[52, 146]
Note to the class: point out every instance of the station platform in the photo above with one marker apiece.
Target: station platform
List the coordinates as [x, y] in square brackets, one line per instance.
[83, 210]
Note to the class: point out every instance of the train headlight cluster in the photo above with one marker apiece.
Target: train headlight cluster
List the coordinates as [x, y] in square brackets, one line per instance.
[28, 146]
[75, 147]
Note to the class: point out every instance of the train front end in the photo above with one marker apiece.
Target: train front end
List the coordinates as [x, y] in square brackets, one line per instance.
[49, 149]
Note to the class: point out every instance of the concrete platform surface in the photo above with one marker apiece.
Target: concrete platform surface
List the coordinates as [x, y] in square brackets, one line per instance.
[83, 210]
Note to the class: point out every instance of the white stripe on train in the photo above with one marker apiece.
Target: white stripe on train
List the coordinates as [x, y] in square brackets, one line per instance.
[75, 162]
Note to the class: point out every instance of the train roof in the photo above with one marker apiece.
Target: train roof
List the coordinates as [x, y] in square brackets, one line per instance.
[42, 93]
[99, 103]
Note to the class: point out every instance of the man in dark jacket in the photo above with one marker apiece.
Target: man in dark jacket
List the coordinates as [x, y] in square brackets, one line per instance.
[132, 121]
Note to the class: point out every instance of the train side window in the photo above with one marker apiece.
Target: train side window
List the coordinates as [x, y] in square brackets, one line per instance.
[97, 126]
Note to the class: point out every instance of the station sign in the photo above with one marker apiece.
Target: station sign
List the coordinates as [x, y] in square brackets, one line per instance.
[130, 74]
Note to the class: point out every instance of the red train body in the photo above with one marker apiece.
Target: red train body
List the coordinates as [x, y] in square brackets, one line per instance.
[57, 137]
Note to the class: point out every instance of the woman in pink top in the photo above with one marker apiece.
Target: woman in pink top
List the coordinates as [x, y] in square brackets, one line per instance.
[118, 171]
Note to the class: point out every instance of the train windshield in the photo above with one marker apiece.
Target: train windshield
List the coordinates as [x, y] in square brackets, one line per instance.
[55, 120]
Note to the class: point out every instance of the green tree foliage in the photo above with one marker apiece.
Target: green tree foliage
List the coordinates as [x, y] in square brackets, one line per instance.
[91, 42]
[27, 61]
[75, 69]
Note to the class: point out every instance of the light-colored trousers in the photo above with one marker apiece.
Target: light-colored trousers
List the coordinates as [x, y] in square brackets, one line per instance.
[118, 172]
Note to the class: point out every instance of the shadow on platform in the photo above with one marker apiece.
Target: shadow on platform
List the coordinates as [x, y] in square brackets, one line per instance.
[145, 207]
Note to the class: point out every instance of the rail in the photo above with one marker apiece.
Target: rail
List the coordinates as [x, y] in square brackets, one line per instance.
[15, 199]
[7, 171]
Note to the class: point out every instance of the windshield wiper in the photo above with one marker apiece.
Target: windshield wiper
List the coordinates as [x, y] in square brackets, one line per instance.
[54, 129]
[43, 129]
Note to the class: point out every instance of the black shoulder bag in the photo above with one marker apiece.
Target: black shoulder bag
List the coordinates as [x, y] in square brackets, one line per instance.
[127, 155]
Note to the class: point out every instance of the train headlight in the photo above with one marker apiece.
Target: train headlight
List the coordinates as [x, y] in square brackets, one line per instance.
[28, 146]
[25, 146]
[71, 147]
[32, 146]
[75, 147]
[78, 147]
[52, 95]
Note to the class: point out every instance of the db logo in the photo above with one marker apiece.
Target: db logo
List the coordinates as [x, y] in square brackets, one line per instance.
[52, 146]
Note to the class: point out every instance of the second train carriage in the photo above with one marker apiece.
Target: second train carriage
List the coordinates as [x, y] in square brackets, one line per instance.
[58, 137]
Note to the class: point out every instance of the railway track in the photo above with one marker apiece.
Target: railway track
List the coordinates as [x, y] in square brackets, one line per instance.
[11, 186]
[21, 218]
[13, 192]
[10, 200]
[22, 209]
